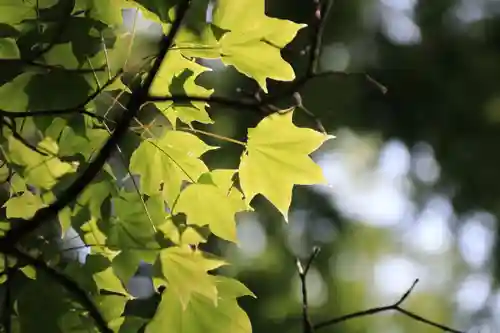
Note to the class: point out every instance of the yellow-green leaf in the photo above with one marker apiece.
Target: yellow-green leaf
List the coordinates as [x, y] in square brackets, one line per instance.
[169, 161]
[277, 158]
[186, 274]
[202, 315]
[212, 204]
[23, 206]
[39, 170]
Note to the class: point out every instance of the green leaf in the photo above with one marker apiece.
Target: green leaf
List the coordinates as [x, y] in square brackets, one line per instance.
[76, 322]
[111, 306]
[61, 55]
[95, 193]
[240, 14]
[254, 40]
[134, 225]
[8, 49]
[41, 293]
[202, 315]
[94, 237]
[128, 324]
[108, 12]
[100, 269]
[255, 58]
[199, 45]
[13, 96]
[157, 10]
[277, 158]
[29, 272]
[212, 204]
[39, 170]
[126, 263]
[177, 75]
[169, 161]
[57, 90]
[14, 11]
[24, 206]
[186, 274]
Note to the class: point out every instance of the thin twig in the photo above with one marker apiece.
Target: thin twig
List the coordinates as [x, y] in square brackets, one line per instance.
[393, 307]
[213, 135]
[80, 108]
[137, 99]
[257, 104]
[125, 164]
[20, 138]
[28, 145]
[306, 320]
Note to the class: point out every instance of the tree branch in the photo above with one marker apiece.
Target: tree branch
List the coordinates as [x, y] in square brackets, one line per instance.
[71, 286]
[20, 138]
[393, 307]
[80, 108]
[257, 104]
[32, 63]
[137, 99]
[306, 320]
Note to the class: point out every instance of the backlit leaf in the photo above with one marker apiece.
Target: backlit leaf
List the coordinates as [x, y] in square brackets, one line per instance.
[212, 204]
[186, 274]
[24, 206]
[202, 315]
[277, 158]
[169, 161]
[37, 169]
[8, 49]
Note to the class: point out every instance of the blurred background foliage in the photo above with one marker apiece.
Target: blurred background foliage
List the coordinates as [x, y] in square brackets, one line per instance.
[413, 187]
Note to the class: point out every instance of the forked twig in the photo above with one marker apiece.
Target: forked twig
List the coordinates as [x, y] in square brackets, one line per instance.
[396, 306]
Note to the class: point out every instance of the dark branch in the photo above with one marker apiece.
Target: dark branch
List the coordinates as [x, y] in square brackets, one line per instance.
[24, 62]
[306, 320]
[20, 138]
[80, 108]
[63, 69]
[71, 286]
[137, 99]
[258, 104]
[394, 307]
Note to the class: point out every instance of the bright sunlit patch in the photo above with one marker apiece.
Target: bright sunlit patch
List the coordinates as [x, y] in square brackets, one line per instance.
[401, 5]
[394, 160]
[295, 233]
[375, 196]
[476, 239]
[424, 165]
[394, 275]
[469, 11]
[398, 24]
[473, 292]
[431, 232]
[252, 240]
[494, 306]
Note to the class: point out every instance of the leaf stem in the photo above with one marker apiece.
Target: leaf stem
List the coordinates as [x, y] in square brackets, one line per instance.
[213, 135]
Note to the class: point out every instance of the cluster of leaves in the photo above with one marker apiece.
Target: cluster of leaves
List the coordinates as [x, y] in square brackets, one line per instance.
[69, 95]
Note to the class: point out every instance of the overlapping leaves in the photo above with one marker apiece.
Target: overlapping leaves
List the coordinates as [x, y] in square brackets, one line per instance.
[156, 199]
